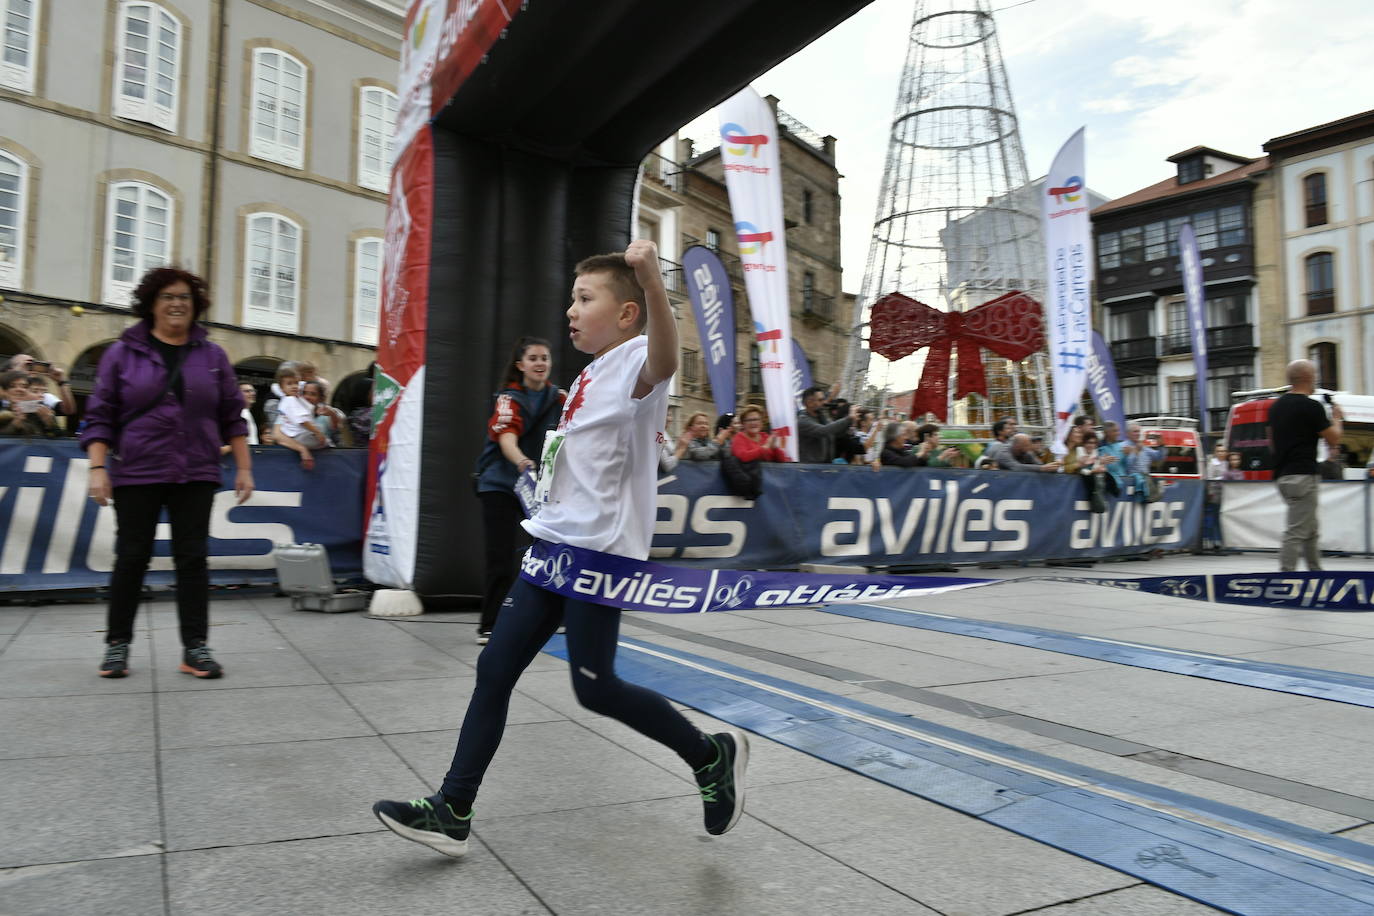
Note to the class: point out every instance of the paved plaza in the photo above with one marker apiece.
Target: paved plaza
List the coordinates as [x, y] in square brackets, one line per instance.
[250, 795]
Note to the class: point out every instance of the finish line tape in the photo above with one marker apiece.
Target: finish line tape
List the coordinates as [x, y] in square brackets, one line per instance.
[642, 585]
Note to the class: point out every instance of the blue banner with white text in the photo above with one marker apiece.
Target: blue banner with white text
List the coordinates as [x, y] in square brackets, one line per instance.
[1103, 385]
[844, 514]
[1191, 259]
[55, 537]
[713, 304]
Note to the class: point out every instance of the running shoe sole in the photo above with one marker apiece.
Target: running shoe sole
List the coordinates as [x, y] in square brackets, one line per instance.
[436, 841]
[208, 675]
[118, 672]
[737, 775]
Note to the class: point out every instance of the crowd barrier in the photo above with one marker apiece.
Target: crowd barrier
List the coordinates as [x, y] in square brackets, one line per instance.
[54, 537]
[1253, 515]
[900, 517]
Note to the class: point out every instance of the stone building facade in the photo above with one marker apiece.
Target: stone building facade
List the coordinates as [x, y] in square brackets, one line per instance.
[684, 202]
[245, 140]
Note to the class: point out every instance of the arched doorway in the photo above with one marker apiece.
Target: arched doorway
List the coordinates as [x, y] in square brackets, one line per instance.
[11, 343]
[261, 373]
[82, 376]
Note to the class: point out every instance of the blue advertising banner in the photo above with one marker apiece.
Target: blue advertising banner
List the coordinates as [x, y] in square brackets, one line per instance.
[801, 371]
[899, 516]
[55, 537]
[713, 304]
[1197, 319]
[1102, 382]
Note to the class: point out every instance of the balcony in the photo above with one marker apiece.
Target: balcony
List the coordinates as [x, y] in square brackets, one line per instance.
[1237, 335]
[665, 171]
[1135, 348]
[818, 307]
[673, 279]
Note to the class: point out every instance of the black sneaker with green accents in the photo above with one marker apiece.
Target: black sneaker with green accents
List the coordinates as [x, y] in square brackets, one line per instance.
[722, 781]
[427, 820]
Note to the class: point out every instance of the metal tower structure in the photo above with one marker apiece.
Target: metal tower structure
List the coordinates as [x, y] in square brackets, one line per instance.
[957, 221]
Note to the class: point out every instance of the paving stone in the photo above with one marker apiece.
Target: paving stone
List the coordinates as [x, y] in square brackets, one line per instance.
[108, 806]
[665, 863]
[279, 667]
[263, 793]
[51, 677]
[373, 874]
[434, 704]
[94, 887]
[255, 714]
[76, 725]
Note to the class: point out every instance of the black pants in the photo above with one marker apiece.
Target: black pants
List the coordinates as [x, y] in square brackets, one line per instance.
[137, 509]
[506, 540]
[593, 632]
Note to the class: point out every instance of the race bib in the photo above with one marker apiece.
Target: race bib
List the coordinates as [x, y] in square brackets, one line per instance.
[548, 464]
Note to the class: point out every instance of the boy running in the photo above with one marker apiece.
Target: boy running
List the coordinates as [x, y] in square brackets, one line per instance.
[598, 484]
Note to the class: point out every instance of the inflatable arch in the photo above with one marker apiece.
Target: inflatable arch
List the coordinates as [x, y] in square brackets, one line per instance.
[520, 131]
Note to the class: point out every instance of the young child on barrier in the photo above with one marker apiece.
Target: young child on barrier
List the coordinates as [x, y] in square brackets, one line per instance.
[597, 491]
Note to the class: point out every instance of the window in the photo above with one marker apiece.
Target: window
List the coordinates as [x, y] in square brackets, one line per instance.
[713, 239]
[367, 289]
[376, 124]
[1139, 396]
[806, 205]
[1132, 247]
[1109, 250]
[1182, 400]
[1323, 356]
[1228, 311]
[1205, 227]
[146, 78]
[691, 369]
[138, 233]
[1156, 244]
[1190, 170]
[808, 291]
[1131, 325]
[1231, 225]
[1225, 380]
[271, 272]
[1314, 198]
[18, 28]
[279, 87]
[1180, 336]
[14, 176]
[1321, 286]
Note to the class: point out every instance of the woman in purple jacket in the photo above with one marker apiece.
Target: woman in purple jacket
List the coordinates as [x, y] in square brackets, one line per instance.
[165, 400]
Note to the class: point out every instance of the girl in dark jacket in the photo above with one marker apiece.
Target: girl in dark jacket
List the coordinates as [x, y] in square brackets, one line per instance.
[165, 400]
[526, 408]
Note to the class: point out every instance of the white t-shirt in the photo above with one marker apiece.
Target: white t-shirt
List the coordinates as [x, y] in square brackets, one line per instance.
[603, 494]
[292, 412]
[252, 426]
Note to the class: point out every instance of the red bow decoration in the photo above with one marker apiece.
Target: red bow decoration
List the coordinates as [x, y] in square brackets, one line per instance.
[1011, 326]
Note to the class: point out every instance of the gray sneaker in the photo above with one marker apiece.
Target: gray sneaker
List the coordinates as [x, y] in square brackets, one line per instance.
[116, 661]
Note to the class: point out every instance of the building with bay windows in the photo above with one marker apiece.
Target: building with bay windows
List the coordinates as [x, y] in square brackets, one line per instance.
[246, 140]
[1143, 315]
[1324, 182]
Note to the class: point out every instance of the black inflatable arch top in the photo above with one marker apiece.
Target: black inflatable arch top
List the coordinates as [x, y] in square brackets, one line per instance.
[535, 162]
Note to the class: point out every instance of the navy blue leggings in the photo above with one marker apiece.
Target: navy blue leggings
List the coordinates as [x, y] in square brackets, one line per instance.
[528, 619]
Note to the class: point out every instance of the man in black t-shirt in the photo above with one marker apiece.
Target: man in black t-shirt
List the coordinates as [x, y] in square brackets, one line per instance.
[1296, 421]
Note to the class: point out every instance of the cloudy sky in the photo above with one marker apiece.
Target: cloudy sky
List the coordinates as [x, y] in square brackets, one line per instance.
[1147, 79]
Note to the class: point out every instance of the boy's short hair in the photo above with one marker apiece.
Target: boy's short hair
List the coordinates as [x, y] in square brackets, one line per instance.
[7, 379]
[287, 370]
[37, 380]
[620, 276]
